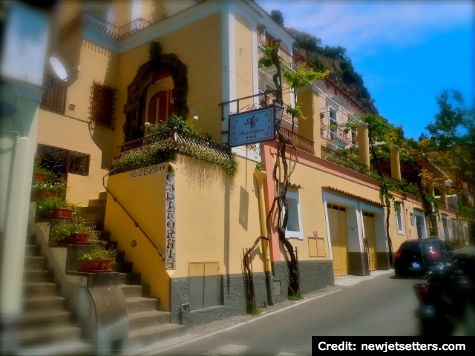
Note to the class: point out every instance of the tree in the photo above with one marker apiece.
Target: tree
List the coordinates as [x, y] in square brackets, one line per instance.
[451, 142]
[278, 17]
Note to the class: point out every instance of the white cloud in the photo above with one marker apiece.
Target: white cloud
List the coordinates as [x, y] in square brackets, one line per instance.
[363, 24]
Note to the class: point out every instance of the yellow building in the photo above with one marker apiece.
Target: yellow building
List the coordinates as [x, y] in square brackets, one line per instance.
[138, 62]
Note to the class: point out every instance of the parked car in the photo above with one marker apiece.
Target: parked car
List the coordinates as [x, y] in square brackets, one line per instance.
[447, 300]
[417, 257]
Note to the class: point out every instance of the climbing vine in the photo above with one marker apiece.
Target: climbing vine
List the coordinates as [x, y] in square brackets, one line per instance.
[283, 168]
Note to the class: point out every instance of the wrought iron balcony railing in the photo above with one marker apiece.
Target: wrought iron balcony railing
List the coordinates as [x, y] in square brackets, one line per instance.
[174, 135]
[111, 30]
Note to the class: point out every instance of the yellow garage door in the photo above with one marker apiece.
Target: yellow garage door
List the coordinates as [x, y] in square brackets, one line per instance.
[339, 239]
[370, 235]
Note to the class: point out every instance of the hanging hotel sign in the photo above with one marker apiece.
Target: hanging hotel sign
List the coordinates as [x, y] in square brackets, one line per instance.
[252, 127]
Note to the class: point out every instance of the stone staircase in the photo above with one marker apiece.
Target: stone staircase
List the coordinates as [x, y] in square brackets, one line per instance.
[46, 326]
[147, 323]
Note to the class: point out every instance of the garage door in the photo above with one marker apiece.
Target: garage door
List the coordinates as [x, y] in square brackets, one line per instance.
[370, 235]
[339, 239]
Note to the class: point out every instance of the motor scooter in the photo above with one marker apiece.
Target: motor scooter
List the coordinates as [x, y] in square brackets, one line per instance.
[447, 299]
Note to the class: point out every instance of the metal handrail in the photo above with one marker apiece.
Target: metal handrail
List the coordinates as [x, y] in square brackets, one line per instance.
[137, 225]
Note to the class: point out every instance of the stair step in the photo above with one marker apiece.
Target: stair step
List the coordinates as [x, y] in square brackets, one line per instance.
[129, 278]
[45, 317]
[97, 203]
[140, 304]
[37, 276]
[35, 262]
[103, 195]
[30, 239]
[154, 333]
[40, 288]
[148, 318]
[91, 210]
[123, 267]
[103, 235]
[132, 290]
[29, 336]
[32, 250]
[59, 348]
[44, 303]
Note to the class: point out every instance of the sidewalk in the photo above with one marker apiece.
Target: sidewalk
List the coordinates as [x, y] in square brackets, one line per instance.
[196, 333]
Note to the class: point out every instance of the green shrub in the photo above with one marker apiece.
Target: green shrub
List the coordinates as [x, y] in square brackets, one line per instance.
[49, 186]
[66, 228]
[98, 252]
[46, 205]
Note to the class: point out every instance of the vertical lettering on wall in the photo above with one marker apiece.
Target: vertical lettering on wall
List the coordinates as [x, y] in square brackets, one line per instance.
[170, 221]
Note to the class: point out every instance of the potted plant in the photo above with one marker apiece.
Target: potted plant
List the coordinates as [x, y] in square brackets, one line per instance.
[54, 208]
[41, 175]
[70, 232]
[46, 189]
[97, 259]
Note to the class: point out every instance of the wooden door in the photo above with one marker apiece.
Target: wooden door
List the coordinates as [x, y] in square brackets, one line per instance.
[370, 235]
[339, 239]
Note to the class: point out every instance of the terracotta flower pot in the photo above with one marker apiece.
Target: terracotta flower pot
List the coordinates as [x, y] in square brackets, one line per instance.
[39, 177]
[95, 266]
[60, 213]
[78, 238]
[41, 194]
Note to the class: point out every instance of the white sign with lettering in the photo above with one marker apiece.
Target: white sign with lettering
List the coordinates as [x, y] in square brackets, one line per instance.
[252, 127]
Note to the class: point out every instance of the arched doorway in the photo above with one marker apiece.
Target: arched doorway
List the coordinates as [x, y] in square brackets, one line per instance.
[158, 90]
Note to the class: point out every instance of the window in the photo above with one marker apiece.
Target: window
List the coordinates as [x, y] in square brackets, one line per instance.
[413, 219]
[61, 161]
[294, 222]
[54, 96]
[102, 104]
[454, 229]
[400, 228]
[445, 225]
[333, 121]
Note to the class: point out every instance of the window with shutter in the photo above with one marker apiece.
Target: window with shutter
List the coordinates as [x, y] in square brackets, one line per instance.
[102, 104]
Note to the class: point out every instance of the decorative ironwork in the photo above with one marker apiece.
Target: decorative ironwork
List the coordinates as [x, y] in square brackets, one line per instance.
[188, 139]
[111, 30]
[257, 101]
[102, 104]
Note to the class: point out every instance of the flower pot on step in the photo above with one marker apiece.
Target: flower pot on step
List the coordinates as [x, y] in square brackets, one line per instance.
[39, 177]
[61, 213]
[41, 194]
[95, 266]
[78, 239]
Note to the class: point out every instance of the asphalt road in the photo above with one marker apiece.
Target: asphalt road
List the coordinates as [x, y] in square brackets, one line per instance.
[381, 306]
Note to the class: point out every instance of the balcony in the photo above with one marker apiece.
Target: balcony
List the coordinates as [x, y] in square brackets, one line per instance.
[337, 134]
[264, 39]
[111, 30]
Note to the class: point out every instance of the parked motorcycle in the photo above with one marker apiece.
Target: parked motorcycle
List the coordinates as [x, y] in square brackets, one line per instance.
[447, 300]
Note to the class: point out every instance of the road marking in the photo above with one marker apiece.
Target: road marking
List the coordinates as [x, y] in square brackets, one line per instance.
[229, 349]
[232, 327]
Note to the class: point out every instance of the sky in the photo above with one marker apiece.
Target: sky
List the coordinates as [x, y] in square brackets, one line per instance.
[408, 52]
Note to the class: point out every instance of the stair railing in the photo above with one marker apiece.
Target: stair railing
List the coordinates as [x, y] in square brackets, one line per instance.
[136, 223]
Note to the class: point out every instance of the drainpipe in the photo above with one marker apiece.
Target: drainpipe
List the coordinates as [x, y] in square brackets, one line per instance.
[363, 144]
[259, 176]
[395, 162]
